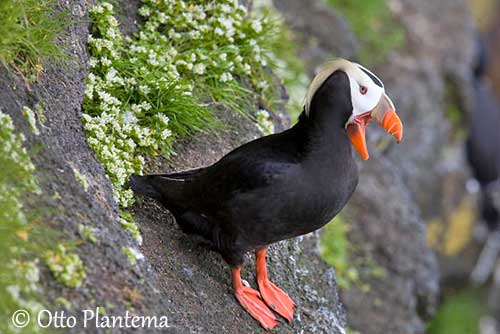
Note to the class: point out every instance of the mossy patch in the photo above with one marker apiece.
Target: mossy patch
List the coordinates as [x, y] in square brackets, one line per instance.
[375, 27]
[127, 222]
[335, 249]
[459, 314]
[21, 238]
[87, 233]
[451, 235]
[66, 266]
[82, 179]
[29, 114]
[352, 268]
[132, 254]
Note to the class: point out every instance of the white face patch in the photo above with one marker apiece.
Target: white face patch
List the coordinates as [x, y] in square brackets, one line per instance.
[363, 81]
[366, 88]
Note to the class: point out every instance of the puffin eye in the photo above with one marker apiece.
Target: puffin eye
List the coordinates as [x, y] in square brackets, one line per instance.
[363, 90]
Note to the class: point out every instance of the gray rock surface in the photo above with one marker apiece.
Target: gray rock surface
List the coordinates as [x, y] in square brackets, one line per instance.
[402, 184]
[179, 277]
[322, 33]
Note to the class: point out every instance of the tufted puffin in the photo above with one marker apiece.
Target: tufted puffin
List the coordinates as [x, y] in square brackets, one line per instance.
[280, 186]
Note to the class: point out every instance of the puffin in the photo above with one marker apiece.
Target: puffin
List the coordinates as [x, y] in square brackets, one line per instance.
[280, 186]
[482, 148]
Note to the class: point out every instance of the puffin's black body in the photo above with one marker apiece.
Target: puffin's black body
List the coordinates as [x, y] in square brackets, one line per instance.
[273, 188]
[483, 142]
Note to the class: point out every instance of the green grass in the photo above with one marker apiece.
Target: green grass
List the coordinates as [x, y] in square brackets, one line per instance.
[28, 29]
[147, 90]
[459, 314]
[375, 27]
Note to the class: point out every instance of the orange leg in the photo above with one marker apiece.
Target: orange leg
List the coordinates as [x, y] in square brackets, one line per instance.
[251, 302]
[274, 297]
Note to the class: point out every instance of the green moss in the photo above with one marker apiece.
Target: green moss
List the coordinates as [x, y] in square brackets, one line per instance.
[87, 233]
[27, 32]
[40, 113]
[82, 179]
[21, 239]
[31, 118]
[67, 267]
[375, 27]
[335, 249]
[352, 268]
[128, 222]
[454, 112]
[132, 254]
[459, 314]
[63, 302]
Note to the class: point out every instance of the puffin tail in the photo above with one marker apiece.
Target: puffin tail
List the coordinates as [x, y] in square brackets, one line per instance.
[143, 185]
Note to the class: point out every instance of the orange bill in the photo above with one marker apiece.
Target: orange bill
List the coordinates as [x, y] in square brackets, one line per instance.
[385, 116]
[357, 134]
[392, 124]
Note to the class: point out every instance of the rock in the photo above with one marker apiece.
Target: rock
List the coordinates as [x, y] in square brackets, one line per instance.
[179, 277]
[400, 187]
[321, 32]
[386, 228]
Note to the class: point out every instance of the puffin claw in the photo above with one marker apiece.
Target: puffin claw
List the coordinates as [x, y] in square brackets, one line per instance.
[251, 302]
[277, 299]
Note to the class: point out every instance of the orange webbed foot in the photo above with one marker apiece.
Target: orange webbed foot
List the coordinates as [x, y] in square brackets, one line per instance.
[274, 297]
[277, 299]
[251, 302]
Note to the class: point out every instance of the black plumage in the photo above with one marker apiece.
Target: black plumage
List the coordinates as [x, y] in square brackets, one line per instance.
[280, 186]
[273, 188]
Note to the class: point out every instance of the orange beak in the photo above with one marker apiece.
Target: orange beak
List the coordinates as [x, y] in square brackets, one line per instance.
[385, 116]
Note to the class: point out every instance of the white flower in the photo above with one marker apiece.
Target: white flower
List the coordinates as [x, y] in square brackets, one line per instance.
[92, 63]
[165, 134]
[105, 61]
[129, 118]
[144, 89]
[199, 68]
[225, 8]
[226, 76]
[257, 26]
[264, 123]
[163, 119]
[262, 85]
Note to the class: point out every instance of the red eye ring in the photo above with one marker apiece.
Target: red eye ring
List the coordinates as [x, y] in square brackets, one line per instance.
[363, 90]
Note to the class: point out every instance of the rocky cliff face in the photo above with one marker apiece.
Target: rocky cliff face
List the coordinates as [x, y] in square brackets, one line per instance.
[402, 186]
[179, 277]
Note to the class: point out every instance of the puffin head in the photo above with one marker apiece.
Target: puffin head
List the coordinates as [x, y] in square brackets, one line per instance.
[368, 100]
